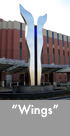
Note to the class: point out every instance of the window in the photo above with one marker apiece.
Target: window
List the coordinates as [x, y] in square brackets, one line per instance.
[20, 30]
[42, 57]
[58, 38]
[63, 40]
[27, 55]
[53, 56]
[59, 55]
[64, 57]
[20, 51]
[48, 54]
[68, 58]
[67, 42]
[47, 37]
[52, 37]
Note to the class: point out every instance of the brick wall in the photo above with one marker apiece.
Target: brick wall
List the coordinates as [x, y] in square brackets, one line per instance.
[10, 46]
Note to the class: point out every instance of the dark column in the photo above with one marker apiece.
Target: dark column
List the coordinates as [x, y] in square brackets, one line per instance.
[46, 78]
[51, 78]
[68, 77]
[27, 79]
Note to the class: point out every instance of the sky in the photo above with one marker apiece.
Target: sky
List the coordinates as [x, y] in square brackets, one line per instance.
[58, 12]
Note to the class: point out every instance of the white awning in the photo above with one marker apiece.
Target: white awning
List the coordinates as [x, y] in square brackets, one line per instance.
[15, 66]
[64, 70]
[10, 64]
[53, 68]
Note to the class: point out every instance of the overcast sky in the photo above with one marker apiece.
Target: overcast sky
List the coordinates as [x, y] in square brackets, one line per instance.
[58, 12]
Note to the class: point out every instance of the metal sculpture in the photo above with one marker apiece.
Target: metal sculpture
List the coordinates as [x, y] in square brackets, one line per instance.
[34, 38]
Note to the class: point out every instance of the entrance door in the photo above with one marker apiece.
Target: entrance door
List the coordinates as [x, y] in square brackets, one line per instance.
[46, 77]
[68, 77]
[51, 78]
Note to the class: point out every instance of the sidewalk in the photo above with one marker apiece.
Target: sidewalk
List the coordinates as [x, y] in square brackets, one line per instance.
[5, 89]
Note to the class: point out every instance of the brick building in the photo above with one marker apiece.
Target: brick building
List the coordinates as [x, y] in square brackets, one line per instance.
[56, 49]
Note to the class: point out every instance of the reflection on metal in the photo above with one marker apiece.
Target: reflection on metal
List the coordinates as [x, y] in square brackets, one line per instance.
[34, 49]
[40, 23]
[29, 22]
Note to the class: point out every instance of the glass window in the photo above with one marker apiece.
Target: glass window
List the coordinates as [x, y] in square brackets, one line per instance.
[52, 37]
[20, 51]
[59, 55]
[27, 55]
[42, 57]
[47, 37]
[48, 54]
[58, 38]
[20, 30]
[62, 40]
[53, 56]
[64, 57]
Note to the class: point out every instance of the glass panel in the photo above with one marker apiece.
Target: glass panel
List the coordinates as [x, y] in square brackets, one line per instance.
[62, 40]
[52, 37]
[20, 51]
[48, 54]
[64, 57]
[59, 55]
[53, 56]
[42, 57]
[58, 38]
[47, 37]
[20, 30]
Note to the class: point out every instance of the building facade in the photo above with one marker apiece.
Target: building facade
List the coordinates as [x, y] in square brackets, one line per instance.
[56, 49]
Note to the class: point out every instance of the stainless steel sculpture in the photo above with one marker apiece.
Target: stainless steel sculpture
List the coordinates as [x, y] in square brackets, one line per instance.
[31, 43]
[29, 24]
[40, 23]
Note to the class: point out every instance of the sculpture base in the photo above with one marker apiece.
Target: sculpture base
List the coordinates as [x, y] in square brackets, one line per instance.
[30, 89]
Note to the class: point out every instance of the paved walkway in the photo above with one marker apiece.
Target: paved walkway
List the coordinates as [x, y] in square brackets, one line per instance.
[10, 89]
[5, 89]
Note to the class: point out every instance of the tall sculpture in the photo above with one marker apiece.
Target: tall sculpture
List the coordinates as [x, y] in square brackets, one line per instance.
[34, 39]
[40, 23]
